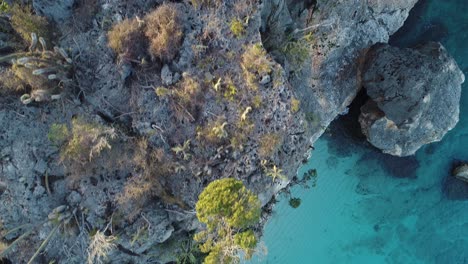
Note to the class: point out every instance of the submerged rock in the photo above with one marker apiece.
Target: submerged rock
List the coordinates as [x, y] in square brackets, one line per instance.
[414, 97]
[461, 172]
[455, 186]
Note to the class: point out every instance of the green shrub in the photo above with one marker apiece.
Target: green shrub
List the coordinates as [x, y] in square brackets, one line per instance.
[86, 141]
[58, 134]
[228, 209]
[295, 105]
[4, 7]
[230, 91]
[237, 28]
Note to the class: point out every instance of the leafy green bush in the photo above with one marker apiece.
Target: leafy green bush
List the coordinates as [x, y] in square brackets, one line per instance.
[86, 141]
[237, 28]
[295, 202]
[228, 209]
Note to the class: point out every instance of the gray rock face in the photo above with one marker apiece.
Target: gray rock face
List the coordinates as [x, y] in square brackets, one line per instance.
[58, 11]
[327, 82]
[414, 97]
[166, 75]
[461, 172]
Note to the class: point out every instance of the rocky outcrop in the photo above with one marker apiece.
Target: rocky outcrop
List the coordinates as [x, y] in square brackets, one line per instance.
[461, 172]
[325, 84]
[329, 81]
[414, 97]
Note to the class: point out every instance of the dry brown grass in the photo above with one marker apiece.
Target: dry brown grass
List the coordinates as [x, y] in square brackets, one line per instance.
[126, 38]
[10, 84]
[25, 75]
[214, 132]
[164, 31]
[269, 143]
[152, 167]
[255, 60]
[99, 247]
[255, 63]
[188, 91]
[86, 141]
[134, 196]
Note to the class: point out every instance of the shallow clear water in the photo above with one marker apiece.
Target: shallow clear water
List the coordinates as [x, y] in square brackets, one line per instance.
[370, 208]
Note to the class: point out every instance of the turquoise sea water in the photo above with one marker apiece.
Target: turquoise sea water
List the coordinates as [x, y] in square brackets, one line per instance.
[370, 208]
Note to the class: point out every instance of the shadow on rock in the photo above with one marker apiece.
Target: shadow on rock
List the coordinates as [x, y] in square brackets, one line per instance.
[344, 135]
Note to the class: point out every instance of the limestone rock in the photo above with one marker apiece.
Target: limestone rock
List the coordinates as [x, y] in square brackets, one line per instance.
[166, 75]
[327, 82]
[414, 97]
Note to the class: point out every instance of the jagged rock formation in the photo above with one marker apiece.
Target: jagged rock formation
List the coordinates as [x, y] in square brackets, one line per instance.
[329, 81]
[414, 97]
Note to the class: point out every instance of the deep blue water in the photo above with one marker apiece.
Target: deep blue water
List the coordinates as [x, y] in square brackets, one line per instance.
[371, 208]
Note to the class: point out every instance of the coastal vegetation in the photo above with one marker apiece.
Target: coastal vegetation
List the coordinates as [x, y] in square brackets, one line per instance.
[229, 210]
[144, 120]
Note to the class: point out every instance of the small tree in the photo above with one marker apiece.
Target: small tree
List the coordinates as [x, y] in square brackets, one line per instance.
[228, 209]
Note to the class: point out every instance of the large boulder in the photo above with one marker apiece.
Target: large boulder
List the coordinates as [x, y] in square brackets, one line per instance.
[414, 96]
[326, 83]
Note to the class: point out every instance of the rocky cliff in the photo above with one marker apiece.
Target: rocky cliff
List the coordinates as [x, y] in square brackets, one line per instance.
[312, 55]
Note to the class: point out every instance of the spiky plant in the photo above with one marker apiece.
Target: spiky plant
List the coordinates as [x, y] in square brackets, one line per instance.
[46, 72]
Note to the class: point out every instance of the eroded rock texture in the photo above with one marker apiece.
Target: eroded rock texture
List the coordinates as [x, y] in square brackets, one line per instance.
[414, 97]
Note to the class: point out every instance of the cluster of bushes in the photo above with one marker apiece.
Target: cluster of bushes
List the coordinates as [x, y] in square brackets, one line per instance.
[159, 33]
